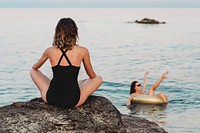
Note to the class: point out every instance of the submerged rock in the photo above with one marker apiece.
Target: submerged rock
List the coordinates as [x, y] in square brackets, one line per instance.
[96, 115]
[149, 21]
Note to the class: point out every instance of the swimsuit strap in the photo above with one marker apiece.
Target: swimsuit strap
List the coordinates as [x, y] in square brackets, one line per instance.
[64, 54]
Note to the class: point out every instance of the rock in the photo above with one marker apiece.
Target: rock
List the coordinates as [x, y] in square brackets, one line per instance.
[149, 21]
[96, 115]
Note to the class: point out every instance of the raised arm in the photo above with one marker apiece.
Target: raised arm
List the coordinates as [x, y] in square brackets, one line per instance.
[87, 64]
[145, 81]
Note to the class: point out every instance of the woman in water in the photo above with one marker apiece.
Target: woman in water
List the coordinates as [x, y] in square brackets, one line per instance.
[135, 89]
[65, 56]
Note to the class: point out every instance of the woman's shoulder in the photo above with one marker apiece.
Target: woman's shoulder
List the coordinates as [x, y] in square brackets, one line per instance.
[50, 50]
[53, 48]
[82, 49]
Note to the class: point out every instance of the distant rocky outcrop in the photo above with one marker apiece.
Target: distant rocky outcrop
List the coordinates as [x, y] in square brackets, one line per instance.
[149, 21]
[96, 115]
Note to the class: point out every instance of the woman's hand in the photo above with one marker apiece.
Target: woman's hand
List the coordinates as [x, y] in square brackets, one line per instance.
[128, 103]
[146, 73]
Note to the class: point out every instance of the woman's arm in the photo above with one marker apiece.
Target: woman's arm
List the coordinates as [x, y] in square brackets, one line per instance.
[145, 81]
[87, 64]
[128, 102]
[131, 98]
[41, 61]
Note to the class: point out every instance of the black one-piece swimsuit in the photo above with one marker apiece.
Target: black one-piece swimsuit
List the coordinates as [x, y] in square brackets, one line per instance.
[64, 90]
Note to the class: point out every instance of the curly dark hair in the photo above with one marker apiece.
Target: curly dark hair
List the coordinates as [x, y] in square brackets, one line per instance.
[66, 34]
[132, 87]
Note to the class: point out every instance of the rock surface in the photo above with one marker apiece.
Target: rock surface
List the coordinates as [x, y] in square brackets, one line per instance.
[96, 115]
[149, 21]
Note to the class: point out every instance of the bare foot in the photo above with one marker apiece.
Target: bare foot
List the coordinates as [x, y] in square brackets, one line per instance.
[165, 74]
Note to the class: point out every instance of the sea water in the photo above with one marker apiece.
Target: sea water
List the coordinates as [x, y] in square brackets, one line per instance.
[121, 51]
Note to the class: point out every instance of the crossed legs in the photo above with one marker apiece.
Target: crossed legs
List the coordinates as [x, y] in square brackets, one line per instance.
[155, 85]
[41, 81]
[87, 87]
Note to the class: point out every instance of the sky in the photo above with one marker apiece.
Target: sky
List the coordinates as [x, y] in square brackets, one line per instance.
[99, 3]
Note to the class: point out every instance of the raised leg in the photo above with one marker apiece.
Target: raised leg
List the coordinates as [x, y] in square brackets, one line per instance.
[157, 83]
[41, 81]
[163, 96]
[87, 87]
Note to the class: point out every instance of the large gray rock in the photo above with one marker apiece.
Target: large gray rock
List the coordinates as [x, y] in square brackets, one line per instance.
[96, 115]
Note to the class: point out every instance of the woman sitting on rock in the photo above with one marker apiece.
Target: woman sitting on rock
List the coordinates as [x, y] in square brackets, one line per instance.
[65, 57]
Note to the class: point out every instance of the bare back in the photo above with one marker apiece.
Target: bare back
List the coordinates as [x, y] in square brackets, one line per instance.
[75, 55]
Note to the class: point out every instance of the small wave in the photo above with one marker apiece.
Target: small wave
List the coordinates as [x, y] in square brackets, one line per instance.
[114, 84]
[118, 92]
[177, 101]
[197, 58]
[190, 102]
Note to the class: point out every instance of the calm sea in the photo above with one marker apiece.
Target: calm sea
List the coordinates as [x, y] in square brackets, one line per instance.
[120, 51]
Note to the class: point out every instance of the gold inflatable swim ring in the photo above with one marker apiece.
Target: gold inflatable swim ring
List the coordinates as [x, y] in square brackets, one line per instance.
[146, 99]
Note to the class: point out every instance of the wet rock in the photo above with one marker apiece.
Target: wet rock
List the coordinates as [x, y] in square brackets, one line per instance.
[149, 21]
[96, 115]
